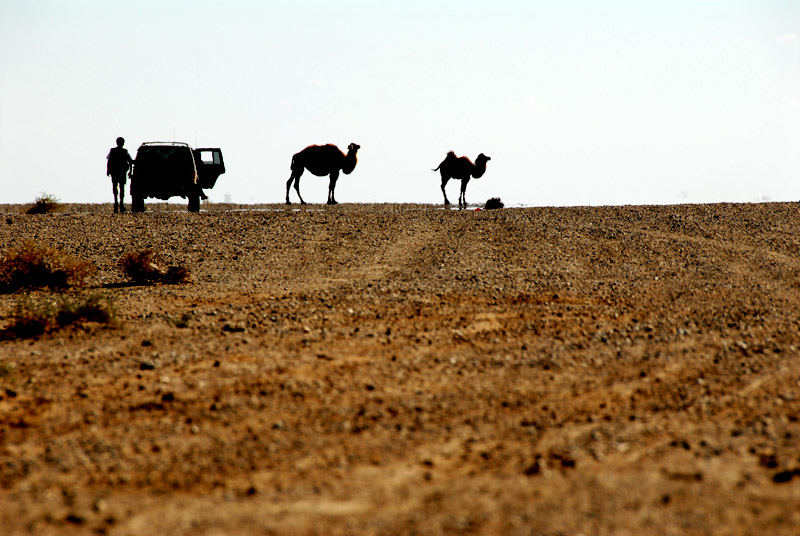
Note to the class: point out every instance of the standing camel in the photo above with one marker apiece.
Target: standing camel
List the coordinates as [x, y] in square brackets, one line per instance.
[321, 160]
[460, 168]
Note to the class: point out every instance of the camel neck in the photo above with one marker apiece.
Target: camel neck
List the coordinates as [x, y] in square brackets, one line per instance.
[349, 162]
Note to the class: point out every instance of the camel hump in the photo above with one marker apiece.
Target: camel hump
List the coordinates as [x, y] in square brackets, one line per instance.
[316, 148]
[328, 150]
[449, 158]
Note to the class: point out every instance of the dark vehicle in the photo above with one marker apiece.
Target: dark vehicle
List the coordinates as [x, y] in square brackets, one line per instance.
[167, 169]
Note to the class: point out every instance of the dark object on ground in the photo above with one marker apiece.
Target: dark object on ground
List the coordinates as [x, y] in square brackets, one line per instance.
[32, 265]
[322, 160]
[44, 204]
[33, 317]
[785, 476]
[493, 203]
[143, 267]
[166, 169]
[462, 169]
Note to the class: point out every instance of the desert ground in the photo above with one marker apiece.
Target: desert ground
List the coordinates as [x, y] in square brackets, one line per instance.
[409, 370]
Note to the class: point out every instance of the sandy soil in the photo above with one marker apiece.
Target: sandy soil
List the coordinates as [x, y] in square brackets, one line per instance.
[402, 369]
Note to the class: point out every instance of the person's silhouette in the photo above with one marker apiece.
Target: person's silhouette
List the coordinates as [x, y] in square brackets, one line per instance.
[118, 167]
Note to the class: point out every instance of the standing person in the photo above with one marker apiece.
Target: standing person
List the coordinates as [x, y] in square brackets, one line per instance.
[118, 167]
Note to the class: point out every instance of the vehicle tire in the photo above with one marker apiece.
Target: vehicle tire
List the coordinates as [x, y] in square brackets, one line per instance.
[137, 204]
[194, 203]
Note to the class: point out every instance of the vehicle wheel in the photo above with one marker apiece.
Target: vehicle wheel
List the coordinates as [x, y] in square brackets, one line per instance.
[137, 204]
[194, 203]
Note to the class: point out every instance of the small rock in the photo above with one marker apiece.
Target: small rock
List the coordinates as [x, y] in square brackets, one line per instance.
[785, 476]
[75, 519]
[532, 469]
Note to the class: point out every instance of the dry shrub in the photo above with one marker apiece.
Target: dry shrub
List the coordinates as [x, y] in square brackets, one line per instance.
[35, 266]
[89, 308]
[494, 203]
[45, 204]
[32, 317]
[144, 267]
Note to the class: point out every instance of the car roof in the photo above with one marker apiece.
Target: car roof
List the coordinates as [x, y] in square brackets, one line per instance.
[164, 144]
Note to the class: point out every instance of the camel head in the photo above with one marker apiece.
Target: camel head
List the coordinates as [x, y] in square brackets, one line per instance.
[480, 165]
[353, 148]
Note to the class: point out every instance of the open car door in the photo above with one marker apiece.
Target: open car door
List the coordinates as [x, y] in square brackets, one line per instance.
[210, 166]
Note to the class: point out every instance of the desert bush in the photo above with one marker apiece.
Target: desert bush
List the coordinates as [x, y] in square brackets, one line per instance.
[32, 317]
[35, 266]
[45, 204]
[145, 267]
[180, 321]
[89, 308]
[493, 203]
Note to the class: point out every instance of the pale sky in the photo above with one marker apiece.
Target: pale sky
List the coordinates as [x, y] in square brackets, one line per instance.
[577, 102]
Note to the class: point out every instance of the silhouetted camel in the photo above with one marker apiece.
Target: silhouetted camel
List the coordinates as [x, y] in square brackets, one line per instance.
[321, 160]
[460, 168]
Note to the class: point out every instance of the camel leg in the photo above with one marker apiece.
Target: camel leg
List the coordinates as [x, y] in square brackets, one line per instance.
[297, 189]
[444, 183]
[462, 198]
[332, 187]
[288, 187]
[296, 173]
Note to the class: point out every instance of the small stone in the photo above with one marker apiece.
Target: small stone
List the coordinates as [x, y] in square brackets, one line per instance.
[532, 469]
[785, 476]
[75, 519]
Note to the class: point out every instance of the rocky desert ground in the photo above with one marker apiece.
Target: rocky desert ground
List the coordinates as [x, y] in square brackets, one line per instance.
[409, 370]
